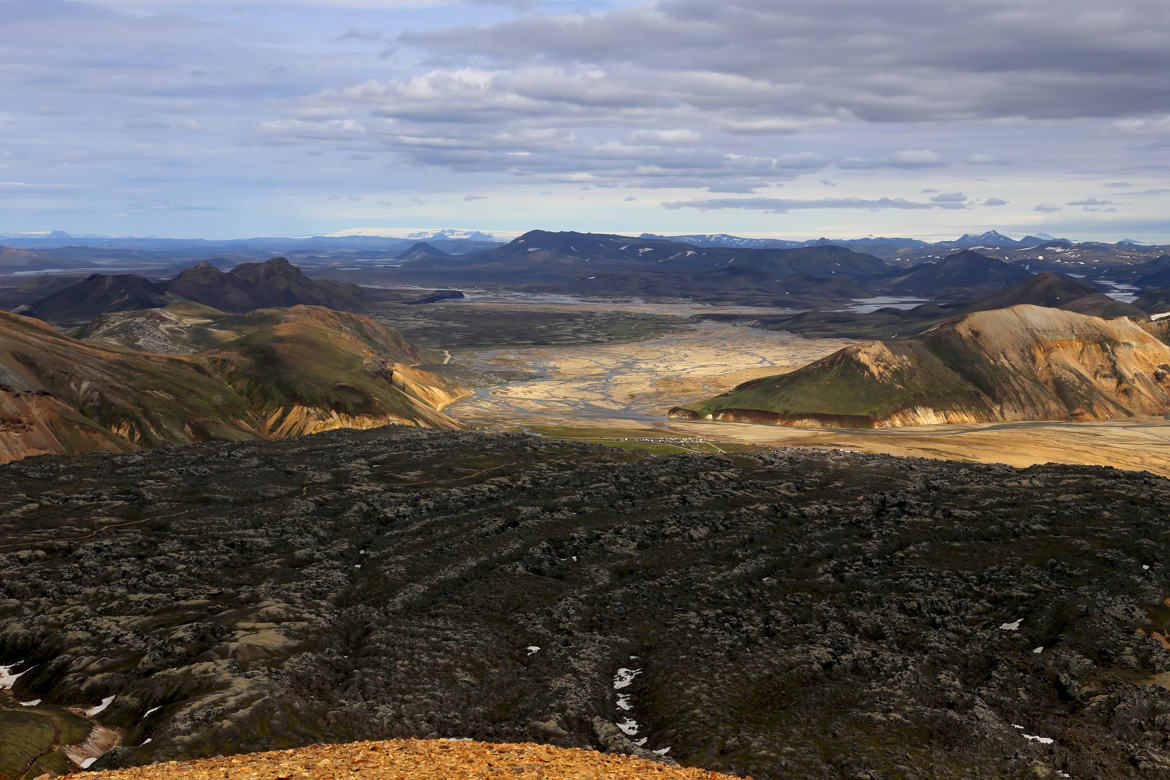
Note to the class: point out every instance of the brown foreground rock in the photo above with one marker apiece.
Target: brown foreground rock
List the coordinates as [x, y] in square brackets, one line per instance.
[409, 758]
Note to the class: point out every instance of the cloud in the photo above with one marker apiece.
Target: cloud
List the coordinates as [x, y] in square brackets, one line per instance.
[949, 197]
[1045, 59]
[983, 159]
[1091, 202]
[995, 202]
[908, 158]
[1045, 208]
[783, 205]
[1143, 126]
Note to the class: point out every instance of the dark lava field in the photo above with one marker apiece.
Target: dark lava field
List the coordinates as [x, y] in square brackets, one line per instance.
[780, 613]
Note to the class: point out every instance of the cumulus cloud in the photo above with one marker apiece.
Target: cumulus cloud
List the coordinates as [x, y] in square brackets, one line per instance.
[1046, 208]
[995, 202]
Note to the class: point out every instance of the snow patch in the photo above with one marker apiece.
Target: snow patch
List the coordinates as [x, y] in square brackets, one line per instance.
[624, 678]
[87, 763]
[32, 703]
[1041, 740]
[532, 649]
[147, 714]
[106, 702]
[7, 678]
[623, 702]
[1011, 626]
[1038, 650]
[629, 727]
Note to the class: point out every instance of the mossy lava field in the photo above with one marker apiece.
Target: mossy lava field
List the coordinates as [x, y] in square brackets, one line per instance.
[774, 613]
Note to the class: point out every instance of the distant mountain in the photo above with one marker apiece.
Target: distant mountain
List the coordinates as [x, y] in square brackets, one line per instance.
[1043, 289]
[990, 238]
[1053, 290]
[724, 240]
[882, 248]
[250, 286]
[272, 373]
[262, 285]
[606, 264]
[1154, 301]
[98, 293]
[824, 288]
[1155, 273]
[1021, 363]
[423, 251]
[964, 275]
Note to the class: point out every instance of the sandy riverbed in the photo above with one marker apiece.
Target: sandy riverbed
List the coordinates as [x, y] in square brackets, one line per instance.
[630, 386]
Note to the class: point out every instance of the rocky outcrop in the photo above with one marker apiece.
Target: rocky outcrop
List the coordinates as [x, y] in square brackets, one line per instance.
[1021, 363]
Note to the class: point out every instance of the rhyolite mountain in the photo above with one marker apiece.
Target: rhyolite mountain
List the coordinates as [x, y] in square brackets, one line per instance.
[246, 287]
[781, 614]
[265, 374]
[1021, 363]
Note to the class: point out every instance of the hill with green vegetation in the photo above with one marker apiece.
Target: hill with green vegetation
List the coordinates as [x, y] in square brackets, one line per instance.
[1021, 363]
[265, 374]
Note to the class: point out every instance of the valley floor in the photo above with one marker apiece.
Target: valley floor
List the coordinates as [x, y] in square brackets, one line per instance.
[622, 390]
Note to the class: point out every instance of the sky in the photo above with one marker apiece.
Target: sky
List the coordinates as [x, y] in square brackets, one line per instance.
[784, 118]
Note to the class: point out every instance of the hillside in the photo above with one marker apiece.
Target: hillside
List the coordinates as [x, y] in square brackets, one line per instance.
[99, 293]
[965, 275]
[1022, 363]
[782, 614]
[1043, 289]
[270, 284]
[605, 264]
[247, 287]
[266, 374]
